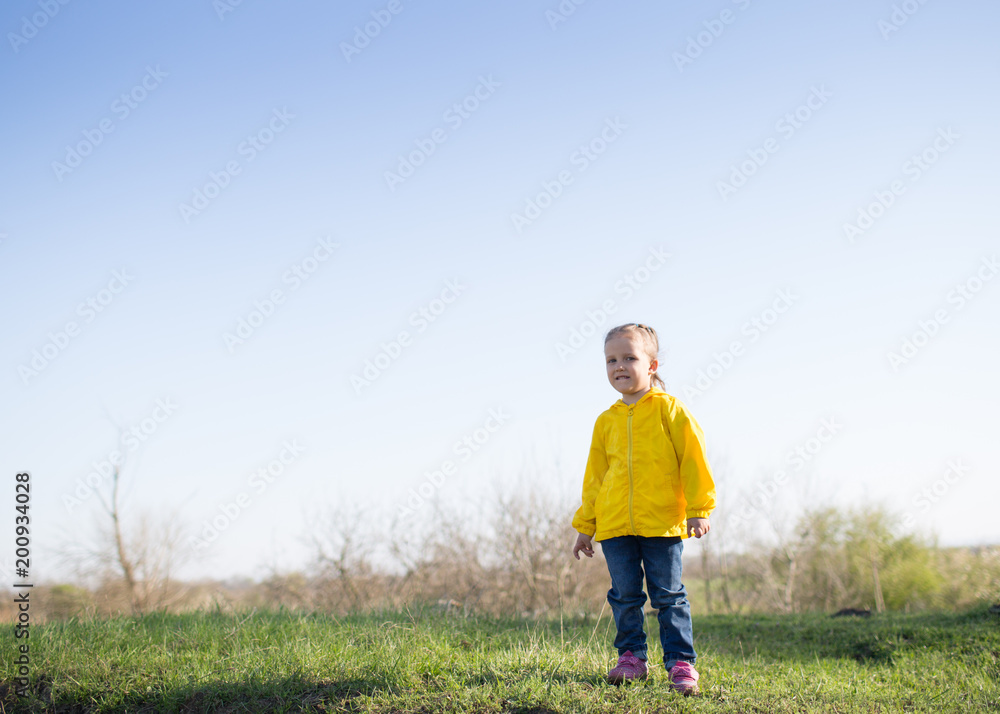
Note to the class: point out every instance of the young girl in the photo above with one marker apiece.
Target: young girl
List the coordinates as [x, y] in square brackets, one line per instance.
[647, 485]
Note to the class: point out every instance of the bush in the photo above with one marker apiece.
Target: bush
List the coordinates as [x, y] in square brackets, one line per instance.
[836, 559]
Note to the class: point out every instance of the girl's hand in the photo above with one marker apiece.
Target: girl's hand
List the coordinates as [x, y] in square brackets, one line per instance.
[583, 543]
[698, 527]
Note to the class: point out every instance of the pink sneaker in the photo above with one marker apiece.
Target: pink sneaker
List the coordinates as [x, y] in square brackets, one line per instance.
[684, 678]
[629, 667]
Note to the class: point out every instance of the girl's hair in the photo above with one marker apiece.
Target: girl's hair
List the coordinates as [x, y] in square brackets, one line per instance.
[650, 342]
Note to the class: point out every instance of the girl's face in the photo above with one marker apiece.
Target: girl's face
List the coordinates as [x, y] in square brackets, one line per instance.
[629, 368]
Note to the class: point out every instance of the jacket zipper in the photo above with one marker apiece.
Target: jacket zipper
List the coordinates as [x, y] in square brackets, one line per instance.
[631, 516]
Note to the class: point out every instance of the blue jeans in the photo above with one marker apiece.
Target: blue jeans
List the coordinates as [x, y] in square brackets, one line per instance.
[626, 556]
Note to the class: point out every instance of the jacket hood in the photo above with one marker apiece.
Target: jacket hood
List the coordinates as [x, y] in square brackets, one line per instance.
[620, 404]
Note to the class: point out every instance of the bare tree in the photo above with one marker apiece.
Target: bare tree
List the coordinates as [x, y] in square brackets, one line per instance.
[134, 557]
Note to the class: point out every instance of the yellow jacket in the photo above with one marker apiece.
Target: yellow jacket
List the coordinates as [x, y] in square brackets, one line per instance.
[647, 472]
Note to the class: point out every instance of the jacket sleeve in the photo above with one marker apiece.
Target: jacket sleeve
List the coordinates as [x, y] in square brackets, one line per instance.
[585, 520]
[695, 474]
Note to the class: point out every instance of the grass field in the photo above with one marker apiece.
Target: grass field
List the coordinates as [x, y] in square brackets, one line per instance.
[432, 662]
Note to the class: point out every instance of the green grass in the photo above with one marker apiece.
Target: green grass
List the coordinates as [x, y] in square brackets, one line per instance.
[426, 662]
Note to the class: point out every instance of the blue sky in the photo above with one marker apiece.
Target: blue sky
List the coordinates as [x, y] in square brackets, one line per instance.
[592, 115]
